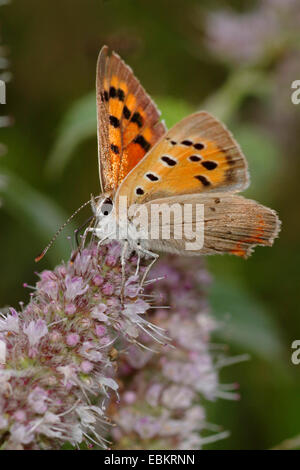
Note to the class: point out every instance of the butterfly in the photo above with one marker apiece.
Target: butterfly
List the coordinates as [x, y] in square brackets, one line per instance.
[196, 162]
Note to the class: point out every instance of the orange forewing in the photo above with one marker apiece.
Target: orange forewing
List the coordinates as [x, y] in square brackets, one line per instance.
[128, 120]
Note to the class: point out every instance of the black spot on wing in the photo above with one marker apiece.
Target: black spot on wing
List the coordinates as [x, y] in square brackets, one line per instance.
[195, 158]
[209, 165]
[203, 180]
[137, 118]
[199, 146]
[139, 191]
[120, 94]
[114, 121]
[126, 112]
[112, 92]
[169, 161]
[152, 177]
[115, 149]
[229, 158]
[186, 142]
[230, 176]
[140, 140]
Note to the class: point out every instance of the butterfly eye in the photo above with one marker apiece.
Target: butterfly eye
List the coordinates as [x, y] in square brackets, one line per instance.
[107, 206]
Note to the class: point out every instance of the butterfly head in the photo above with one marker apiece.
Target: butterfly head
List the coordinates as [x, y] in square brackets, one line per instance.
[103, 207]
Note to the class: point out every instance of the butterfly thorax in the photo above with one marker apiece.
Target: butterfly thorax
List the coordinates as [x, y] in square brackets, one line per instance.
[111, 224]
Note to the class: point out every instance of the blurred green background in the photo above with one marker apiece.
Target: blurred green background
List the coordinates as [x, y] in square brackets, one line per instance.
[236, 59]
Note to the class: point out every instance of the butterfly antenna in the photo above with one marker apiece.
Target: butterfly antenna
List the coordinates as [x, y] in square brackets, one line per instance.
[41, 256]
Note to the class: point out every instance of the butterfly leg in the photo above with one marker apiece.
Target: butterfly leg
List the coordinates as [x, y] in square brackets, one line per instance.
[80, 245]
[154, 256]
[77, 230]
[102, 239]
[85, 233]
[138, 263]
[123, 263]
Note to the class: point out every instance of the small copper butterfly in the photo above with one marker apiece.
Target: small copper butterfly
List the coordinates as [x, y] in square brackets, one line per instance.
[197, 162]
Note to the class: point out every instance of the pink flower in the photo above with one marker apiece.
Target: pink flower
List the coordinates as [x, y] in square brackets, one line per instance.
[72, 339]
[129, 397]
[70, 309]
[108, 288]
[86, 366]
[163, 383]
[2, 352]
[21, 434]
[100, 330]
[138, 307]
[131, 287]
[37, 400]
[58, 358]
[111, 260]
[35, 330]
[177, 396]
[50, 288]
[74, 287]
[98, 312]
[3, 422]
[20, 416]
[10, 322]
[98, 280]
[147, 427]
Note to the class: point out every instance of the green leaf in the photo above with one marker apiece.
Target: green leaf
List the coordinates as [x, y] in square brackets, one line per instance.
[36, 211]
[246, 322]
[262, 155]
[78, 124]
[244, 82]
[173, 109]
[288, 444]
